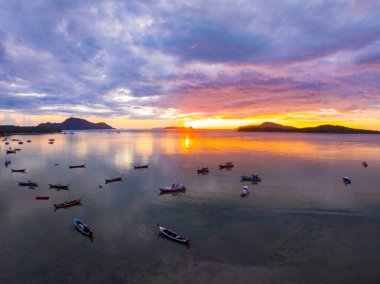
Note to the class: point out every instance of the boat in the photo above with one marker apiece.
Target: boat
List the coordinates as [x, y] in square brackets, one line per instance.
[364, 164]
[77, 166]
[68, 203]
[203, 170]
[251, 178]
[51, 142]
[6, 143]
[173, 236]
[142, 166]
[20, 142]
[114, 179]
[83, 227]
[27, 183]
[346, 180]
[28, 141]
[227, 165]
[52, 139]
[7, 163]
[11, 151]
[17, 149]
[18, 171]
[244, 191]
[42, 197]
[174, 188]
[59, 186]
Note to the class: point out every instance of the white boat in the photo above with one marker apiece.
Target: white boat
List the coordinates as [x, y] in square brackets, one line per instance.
[244, 191]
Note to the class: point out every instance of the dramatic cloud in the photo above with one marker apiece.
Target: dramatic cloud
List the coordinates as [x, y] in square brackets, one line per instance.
[181, 59]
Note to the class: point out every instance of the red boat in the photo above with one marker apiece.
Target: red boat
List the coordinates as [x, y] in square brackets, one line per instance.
[68, 203]
[42, 197]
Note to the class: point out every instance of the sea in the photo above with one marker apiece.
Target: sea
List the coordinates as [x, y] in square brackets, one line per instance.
[300, 224]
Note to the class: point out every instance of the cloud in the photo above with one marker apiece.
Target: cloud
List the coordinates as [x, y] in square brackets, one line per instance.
[161, 59]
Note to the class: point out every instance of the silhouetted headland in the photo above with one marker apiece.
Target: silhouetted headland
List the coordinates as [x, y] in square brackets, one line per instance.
[14, 129]
[327, 128]
[74, 123]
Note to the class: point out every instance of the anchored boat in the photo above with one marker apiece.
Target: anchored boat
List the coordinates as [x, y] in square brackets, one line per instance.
[173, 236]
[83, 227]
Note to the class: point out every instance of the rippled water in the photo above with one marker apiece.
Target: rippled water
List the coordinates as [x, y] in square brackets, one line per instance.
[301, 224]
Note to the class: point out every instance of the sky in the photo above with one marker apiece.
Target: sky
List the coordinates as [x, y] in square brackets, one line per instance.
[221, 64]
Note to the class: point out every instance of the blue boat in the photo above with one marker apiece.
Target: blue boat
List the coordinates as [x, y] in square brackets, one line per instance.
[83, 227]
[251, 178]
[346, 180]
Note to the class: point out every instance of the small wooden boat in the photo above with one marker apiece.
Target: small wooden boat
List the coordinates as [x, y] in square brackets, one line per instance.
[59, 186]
[203, 170]
[77, 166]
[6, 143]
[28, 141]
[244, 191]
[11, 151]
[114, 179]
[142, 166]
[18, 171]
[20, 142]
[68, 203]
[346, 180]
[17, 149]
[251, 178]
[51, 139]
[227, 165]
[51, 142]
[174, 188]
[364, 164]
[83, 227]
[173, 236]
[28, 183]
[7, 163]
[42, 197]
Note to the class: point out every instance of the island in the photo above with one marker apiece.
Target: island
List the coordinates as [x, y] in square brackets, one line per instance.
[327, 128]
[14, 129]
[74, 123]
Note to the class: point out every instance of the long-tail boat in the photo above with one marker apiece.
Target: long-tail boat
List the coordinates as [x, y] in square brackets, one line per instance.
[141, 166]
[83, 227]
[77, 166]
[59, 186]
[68, 203]
[28, 183]
[173, 236]
[114, 179]
[18, 171]
[227, 165]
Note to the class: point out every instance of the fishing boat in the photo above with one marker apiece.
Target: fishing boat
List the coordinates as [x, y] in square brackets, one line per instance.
[142, 166]
[6, 143]
[17, 149]
[203, 170]
[20, 142]
[51, 139]
[77, 166]
[346, 180]
[173, 236]
[174, 188]
[11, 151]
[68, 203]
[244, 191]
[18, 171]
[114, 179]
[59, 186]
[42, 197]
[83, 227]
[251, 178]
[27, 183]
[28, 141]
[364, 164]
[227, 165]
[51, 142]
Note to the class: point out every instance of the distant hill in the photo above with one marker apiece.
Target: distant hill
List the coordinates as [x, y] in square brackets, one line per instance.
[178, 127]
[73, 123]
[13, 129]
[274, 127]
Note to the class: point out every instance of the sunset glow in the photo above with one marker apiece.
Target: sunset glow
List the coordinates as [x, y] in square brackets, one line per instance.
[188, 63]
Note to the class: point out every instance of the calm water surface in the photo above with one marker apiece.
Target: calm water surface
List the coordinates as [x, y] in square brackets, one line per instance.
[301, 224]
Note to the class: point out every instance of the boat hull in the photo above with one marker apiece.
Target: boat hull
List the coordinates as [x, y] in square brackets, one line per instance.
[173, 235]
[83, 228]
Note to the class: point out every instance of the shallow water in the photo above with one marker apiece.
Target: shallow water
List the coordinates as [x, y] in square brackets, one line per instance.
[301, 224]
